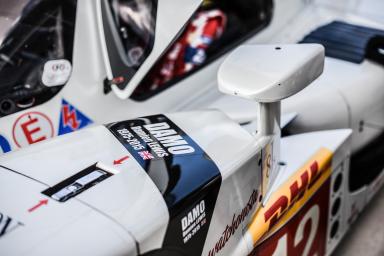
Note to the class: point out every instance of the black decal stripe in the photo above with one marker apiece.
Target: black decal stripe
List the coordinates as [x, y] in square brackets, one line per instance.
[77, 183]
[185, 180]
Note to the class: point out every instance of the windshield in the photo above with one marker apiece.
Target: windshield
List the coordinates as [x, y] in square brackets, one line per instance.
[136, 28]
[36, 41]
[129, 33]
[9, 11]
[216, 27]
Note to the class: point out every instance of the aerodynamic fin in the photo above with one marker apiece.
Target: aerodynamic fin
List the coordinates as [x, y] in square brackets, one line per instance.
[268, 74]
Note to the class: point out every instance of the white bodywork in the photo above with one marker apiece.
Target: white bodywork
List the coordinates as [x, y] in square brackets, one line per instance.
[128, 202]
[127, 214]
[341, 93]
[249, 174]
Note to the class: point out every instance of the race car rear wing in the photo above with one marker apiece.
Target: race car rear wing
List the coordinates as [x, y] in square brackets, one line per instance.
[268, 74]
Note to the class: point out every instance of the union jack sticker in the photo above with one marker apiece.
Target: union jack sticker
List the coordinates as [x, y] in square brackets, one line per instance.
[146, 155]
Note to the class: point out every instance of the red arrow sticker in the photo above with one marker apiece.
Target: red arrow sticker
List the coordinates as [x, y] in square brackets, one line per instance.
[121, 160]
[41, 203]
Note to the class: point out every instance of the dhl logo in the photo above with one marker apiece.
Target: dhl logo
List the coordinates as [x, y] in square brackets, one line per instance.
[291, 196]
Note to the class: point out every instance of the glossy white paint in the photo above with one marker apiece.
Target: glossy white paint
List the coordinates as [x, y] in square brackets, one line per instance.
[270, 73]
[128, 207]
[295, 151]
[128, 198]
[38, 233]
[342, 87]
[351, 92]
[292, 19]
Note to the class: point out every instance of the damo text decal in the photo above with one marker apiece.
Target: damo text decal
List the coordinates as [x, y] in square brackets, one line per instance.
[153, 140]
[191, 223]
[162, 141]
[169, 138]
[185, 175]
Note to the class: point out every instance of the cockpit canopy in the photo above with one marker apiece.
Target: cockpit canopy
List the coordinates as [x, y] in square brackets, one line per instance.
[146, 49]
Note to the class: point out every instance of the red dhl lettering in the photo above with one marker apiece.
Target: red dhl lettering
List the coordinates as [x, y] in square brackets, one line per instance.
[292, 195]
[284, 202]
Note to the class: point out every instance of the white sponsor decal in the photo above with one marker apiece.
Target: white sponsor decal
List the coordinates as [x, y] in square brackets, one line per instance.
[193, 221]
[160, 138]
[169, 138]
[56, 72]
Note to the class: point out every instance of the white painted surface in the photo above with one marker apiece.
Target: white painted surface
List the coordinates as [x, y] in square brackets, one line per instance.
[270, 73]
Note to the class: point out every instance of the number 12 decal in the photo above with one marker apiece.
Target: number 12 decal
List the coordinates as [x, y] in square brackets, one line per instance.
[304, 234]
[312, 217]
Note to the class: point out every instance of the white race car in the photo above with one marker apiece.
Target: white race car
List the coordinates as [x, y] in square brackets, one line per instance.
[65, 65]
[192, 183]
[197, 183]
